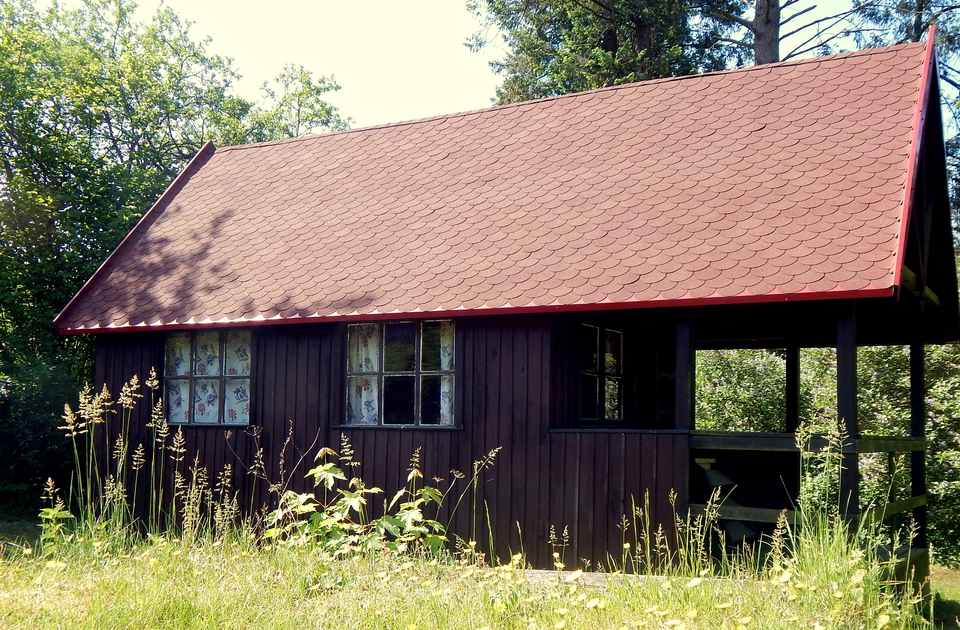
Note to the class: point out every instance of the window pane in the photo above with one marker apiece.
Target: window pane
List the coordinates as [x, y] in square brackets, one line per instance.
[430, 347]
[612, 398]
[363, 400]
[236, 401]
[589, 397]
[430, 400]
[398, 399]
[178, 355]
[613, 352]
[436, 399]
[436, 346]
[206, 400]
[399, 348]
[589, 342]
[236, 354]
[363, 348]
[177, 399]
[206, 354]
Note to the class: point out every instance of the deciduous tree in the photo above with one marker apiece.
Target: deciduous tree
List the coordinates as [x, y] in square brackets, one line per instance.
[98, 112]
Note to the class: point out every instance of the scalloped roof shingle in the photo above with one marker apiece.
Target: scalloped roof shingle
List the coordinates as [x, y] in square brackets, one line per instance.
[784, 181]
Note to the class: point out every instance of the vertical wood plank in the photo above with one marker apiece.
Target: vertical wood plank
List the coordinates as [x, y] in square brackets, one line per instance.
[686, 369]
[847, 403]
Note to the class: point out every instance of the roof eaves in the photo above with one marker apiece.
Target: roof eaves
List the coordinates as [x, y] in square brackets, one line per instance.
[205, 151]
[870, 291]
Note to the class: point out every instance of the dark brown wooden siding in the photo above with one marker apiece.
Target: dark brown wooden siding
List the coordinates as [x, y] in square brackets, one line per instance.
[506, 380]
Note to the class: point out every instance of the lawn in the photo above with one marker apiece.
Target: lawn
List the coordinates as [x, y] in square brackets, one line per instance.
[170, 584]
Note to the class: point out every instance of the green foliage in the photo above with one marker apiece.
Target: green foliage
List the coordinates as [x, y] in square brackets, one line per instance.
[563, 46]
[31, 446]
[338, 523]
[99, 113]
[742, 390]
[756, 403]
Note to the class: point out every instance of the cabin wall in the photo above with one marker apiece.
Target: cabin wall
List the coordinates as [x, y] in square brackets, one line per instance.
[544, 475]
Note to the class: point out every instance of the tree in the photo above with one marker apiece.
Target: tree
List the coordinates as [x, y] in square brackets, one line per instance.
[743, 390]
[562, 46]
[769, 33]
[98, 113]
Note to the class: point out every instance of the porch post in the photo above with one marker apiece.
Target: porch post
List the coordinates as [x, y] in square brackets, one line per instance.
[847, 405]
[918, 428]
[793, 390]
[686, 370]
[685, 402]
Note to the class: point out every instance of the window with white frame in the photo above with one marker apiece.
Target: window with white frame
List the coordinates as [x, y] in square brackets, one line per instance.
[207, 377]
[400, 373]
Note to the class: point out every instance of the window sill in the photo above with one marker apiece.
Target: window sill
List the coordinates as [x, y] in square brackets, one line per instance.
[619, 430]
[397, 427]
[209, 425]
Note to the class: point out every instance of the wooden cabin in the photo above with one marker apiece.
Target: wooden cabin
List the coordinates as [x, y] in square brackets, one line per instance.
[538, 277]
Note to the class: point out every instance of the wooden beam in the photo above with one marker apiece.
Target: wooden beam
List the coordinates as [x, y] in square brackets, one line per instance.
[918, 430]
[792, 420]
[847, 404]
[883, 444]
[740, 513]
[685, 369]
[894, 507]
[786, 442]
[910, 280]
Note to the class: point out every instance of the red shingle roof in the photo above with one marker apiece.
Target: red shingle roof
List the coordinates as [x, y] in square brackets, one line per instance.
[784, 181]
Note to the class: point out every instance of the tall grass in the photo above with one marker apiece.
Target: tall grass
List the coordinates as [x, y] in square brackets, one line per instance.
[321, 562]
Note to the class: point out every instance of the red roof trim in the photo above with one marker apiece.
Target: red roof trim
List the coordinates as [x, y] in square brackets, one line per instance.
[838, 294]
[913, 163]
[204, 150]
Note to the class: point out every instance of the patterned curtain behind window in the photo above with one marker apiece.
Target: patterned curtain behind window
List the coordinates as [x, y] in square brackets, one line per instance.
[363, 391]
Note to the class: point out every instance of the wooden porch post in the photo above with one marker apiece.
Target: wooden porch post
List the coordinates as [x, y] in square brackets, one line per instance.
[793, 390]
[686, 369]
[685, 401]
[847, 405]
[918, 428]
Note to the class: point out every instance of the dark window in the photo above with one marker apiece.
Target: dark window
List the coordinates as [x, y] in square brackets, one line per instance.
[601, 375]
[207, 377]
[400, 373]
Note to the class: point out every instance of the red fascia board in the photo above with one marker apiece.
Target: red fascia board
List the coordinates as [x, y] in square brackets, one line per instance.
[871, 292]
[182, 175]
[927, 75]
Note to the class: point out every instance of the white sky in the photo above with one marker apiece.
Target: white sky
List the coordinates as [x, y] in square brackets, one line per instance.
[393, 60]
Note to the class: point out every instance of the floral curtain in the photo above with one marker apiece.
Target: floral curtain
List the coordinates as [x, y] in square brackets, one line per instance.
[363, 390]
[177, 355]
[206, 400]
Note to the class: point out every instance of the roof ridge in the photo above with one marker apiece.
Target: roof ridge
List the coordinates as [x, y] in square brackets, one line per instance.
[572, 95]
